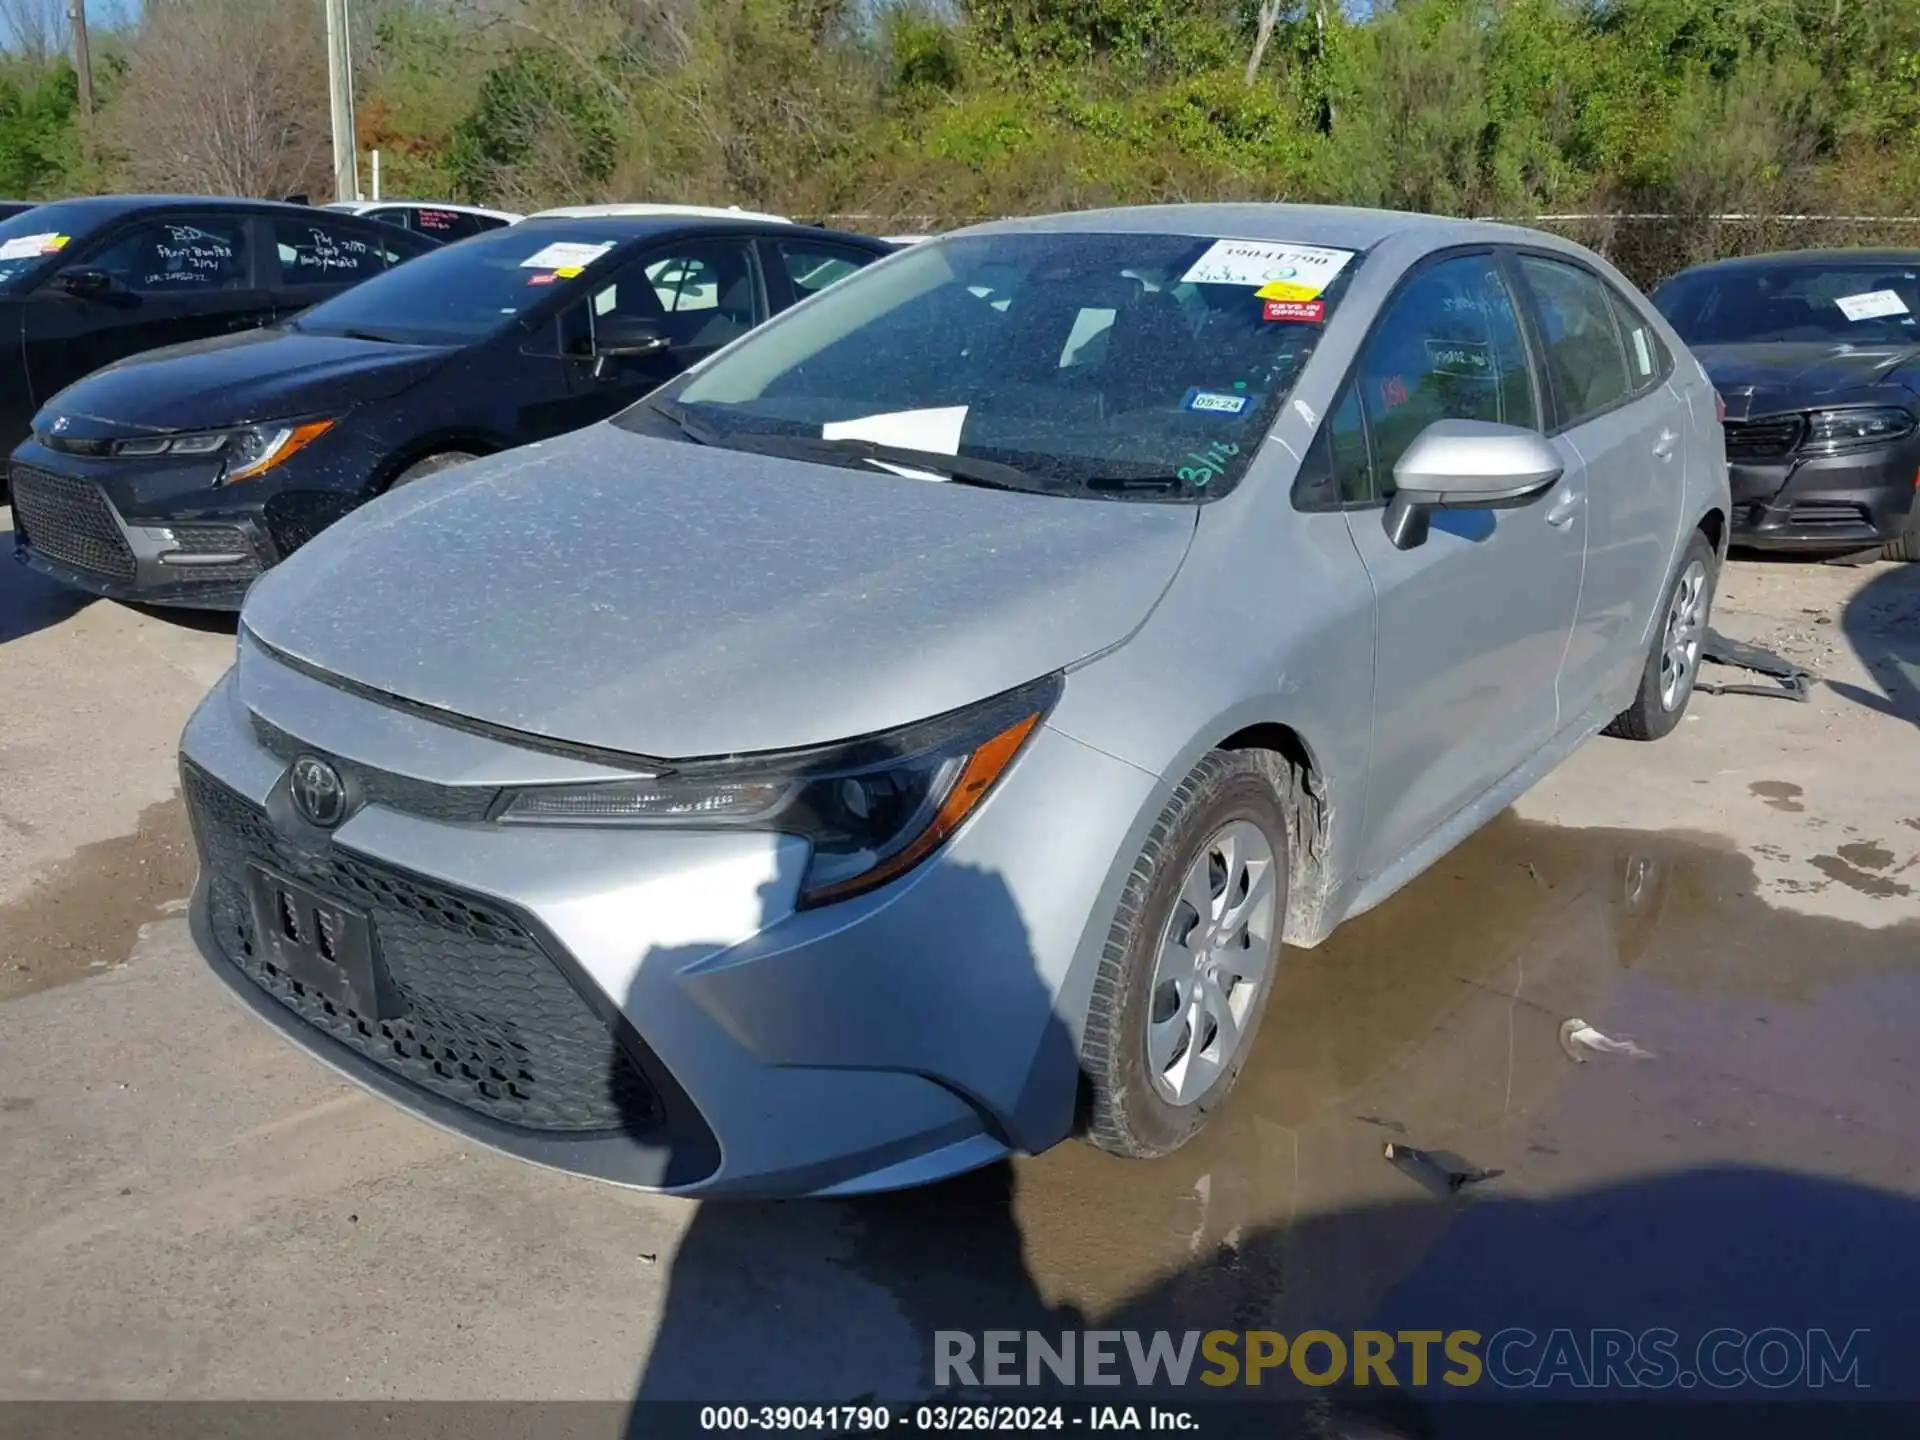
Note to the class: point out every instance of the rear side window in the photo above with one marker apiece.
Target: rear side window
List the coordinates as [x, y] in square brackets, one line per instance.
[813, 267]
[393, 215]
[1448, 347]
[1586, 356]
[319, 252]
[447, 225]
[1648, 362]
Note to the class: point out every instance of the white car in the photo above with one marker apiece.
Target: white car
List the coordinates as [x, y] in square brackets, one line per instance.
[589, 212]
[437, 219]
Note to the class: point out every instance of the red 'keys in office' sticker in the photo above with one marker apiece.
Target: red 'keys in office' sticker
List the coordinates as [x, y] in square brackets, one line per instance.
[1312, 312]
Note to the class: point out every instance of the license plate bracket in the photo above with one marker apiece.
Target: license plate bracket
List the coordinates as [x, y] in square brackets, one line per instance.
[325, 945]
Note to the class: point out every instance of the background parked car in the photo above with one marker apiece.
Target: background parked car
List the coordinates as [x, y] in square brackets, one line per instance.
[179, 476]
[436, 219]
[11, 208]
[1816, 355]
[89, 281]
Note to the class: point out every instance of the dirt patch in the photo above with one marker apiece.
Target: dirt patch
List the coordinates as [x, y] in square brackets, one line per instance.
[1867, 854]
[1780, 794]
[85, 914]
[1865, 881]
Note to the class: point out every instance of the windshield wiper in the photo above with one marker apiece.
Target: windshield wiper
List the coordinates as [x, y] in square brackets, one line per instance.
[967, 469]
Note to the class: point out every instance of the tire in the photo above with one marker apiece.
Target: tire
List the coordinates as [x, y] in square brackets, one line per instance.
[1660, 703]
[1906, 545]
[1142, 1107]
[432, 465]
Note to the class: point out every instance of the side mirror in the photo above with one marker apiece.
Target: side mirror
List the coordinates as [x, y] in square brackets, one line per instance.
[83, 282]
[1466, 465]
[620, 336]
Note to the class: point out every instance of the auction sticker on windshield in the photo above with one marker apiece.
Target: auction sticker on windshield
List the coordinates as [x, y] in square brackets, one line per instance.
[1872, 305]
[566, 258]
[1272, 271]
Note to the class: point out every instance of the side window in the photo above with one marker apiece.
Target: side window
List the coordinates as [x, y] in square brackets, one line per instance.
[1585, 358]
[701, 294]
[813, 267]
[1448, 347]
[1338, 469]
[165, 256]
[319, 252]
[445, 225]
[393, 215]
[1647, 359]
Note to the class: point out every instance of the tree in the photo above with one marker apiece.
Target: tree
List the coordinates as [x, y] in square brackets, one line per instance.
[226, 97]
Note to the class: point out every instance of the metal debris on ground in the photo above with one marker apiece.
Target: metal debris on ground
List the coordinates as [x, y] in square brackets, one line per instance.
[1795, 683]
[1578, 1037]
[1438, 1171]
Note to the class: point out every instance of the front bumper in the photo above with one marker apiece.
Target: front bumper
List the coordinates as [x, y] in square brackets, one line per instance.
[201, 552]
[1832, 502]
[673, 1024]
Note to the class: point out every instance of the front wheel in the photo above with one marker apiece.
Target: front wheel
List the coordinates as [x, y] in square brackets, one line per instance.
[1906, 545]
[1190, 959]
[431, 465]
[1673, 660]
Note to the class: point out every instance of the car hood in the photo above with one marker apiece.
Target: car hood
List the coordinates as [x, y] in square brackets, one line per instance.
[1754, 379]
[237, 379]
[672, 600]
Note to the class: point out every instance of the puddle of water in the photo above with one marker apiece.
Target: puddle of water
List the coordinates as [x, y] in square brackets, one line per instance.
[1779, 794]
[1434, 1022]
[87, 912]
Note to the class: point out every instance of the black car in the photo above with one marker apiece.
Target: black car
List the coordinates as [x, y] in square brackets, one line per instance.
[85, 282]
[1816, 355]
[177, 477]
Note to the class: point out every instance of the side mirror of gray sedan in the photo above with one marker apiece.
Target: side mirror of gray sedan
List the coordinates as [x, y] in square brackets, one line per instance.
[1466, 465]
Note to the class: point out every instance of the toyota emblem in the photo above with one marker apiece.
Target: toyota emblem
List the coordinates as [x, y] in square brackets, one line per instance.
[319, 794]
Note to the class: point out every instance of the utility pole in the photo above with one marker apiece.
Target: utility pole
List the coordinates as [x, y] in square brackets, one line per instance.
[82, 67]
[346, 168]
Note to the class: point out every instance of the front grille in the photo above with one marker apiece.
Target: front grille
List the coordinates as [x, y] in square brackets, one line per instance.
[452, 804]
[215, 540]
[1768, 439]
[69, 521]
[485, 1017]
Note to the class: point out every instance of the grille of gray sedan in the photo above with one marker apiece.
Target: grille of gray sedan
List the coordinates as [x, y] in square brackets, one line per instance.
[484, 1016]
[1763, 439]
[452, 803]
[68, 522]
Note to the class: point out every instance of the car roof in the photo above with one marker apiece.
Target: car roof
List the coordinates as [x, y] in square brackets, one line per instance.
[663, 223]
[1335, 225]
[1808, 257]
[110, 205]
[361, 207]
[585, 212]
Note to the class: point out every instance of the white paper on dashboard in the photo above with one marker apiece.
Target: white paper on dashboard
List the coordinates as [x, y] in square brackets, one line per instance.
[24, 247]
[935, 431]
[1871, 305]
[564, 254]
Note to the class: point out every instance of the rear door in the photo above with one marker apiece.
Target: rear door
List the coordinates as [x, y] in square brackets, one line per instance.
[174, 276]
[701, 293]
[1608, 377]
[1471, 624]
[805, 266]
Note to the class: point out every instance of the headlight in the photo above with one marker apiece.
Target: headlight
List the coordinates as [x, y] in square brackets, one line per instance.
[250, 449]
[872, 809]
[1830, 430]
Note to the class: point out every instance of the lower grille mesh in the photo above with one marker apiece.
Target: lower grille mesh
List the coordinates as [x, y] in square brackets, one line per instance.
[488, 1020]
[68, 522]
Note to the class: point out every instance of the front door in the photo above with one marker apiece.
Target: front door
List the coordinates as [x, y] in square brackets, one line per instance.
[173, 278]
[1470, 625]
[1608, 373]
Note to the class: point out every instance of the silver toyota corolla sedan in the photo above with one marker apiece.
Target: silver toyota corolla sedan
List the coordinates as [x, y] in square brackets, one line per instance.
[911, 735]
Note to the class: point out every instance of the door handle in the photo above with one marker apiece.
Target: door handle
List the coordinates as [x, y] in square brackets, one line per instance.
[1663, 447]
[1565, 506]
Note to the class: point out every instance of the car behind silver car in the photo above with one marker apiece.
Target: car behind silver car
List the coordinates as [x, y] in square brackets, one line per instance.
[910, 736]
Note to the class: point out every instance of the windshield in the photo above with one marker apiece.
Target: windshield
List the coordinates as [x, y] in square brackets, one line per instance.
[1132, 366]
[33, 241]
[459, 294]
[1829, 302]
